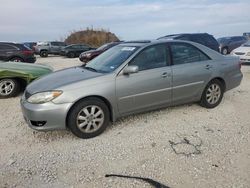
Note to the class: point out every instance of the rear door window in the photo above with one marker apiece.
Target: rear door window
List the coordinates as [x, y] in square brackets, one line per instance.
[7, 47]
[186, 53]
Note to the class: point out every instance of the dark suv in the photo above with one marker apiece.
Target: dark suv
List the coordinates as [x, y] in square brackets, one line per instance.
[16, 52]
[201, 38]
[228, 44]
[74, 50]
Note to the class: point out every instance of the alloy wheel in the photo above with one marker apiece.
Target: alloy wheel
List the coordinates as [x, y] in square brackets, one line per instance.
[6, 87]
[90, 119]
[213, 93]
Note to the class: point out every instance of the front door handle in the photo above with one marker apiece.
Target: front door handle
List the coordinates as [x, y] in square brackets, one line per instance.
[209, 67]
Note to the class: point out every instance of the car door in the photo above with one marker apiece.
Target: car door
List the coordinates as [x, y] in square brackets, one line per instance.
[151, 86]
[191, 70]
[234, 43]
[2, 52]
[55, 47]
[7, 51]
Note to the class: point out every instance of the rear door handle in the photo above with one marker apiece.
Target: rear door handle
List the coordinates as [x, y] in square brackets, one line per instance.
[165, 74]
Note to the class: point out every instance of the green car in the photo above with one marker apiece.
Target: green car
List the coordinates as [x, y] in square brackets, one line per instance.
[14, 77]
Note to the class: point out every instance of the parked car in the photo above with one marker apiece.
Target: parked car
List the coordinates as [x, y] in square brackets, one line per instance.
[243, 52]
[127, 79]
[247, 35]
[91, 54]
[30, 45]
[201, 38]
[227, 44]
[15, 77]
[16, 52]
[45, 48]
[74, 50]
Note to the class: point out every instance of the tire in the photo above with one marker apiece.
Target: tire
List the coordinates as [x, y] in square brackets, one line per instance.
[17, 59]
[212, 94]
[71, 55]
[9, 88]
[44, 53]
[86, 126]
[224, 51]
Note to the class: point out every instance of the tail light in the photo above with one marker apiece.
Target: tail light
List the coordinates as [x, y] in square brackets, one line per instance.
[27, 52]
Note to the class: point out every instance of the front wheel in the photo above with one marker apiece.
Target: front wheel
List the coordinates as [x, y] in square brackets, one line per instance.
[9, 88]
[88, 118]
[224, 51]
[16, 59]
[212, 94]
[71, 55]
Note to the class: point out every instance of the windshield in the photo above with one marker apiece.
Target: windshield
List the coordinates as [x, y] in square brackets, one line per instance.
[111, 59]
[224, 39]
[247, 44]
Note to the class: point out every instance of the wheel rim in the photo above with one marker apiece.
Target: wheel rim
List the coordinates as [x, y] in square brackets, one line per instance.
[224, 51]
[213, 93]
[16, 60]
[90, 119]
[6, 87]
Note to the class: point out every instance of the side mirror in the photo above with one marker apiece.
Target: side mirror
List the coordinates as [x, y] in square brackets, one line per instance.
[131, 69]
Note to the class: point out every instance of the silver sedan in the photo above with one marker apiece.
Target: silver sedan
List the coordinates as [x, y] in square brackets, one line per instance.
[130, 78]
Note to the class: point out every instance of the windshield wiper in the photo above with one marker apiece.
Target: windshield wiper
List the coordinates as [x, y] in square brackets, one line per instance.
[90, 68]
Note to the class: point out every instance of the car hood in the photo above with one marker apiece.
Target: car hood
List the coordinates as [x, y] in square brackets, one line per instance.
[61, 78]
[91, 51]
[31, 70]
[242, 49]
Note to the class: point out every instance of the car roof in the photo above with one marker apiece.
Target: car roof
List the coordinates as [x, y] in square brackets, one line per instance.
[142, 43]
[182, 34]
[230, 37]
[8, 43]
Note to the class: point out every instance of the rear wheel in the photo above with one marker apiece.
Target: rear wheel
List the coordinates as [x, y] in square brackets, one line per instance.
[9, 88]
[212, 94]
[44, 53]
[88, 118]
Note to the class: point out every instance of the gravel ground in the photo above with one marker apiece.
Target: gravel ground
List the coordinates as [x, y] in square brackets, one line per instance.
[183, 146]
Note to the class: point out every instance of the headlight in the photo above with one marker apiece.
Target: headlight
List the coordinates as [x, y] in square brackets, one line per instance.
[44, 97]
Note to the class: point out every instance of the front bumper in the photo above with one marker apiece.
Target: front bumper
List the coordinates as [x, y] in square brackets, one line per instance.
[53, 116]
[63, 53]
[243, 58]
[30, 59]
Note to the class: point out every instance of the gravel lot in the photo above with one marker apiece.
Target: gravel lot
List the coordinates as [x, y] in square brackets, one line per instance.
[183, 146]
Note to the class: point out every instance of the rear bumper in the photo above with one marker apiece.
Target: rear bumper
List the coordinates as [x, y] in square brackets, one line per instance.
[53, 116]
[234, 81]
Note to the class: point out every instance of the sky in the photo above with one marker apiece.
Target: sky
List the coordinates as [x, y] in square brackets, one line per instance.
[33, 20]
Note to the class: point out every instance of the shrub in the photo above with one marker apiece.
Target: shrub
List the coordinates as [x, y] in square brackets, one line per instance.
[92, 37]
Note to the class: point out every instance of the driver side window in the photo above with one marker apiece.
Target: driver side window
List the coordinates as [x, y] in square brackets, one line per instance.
[152, 57]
